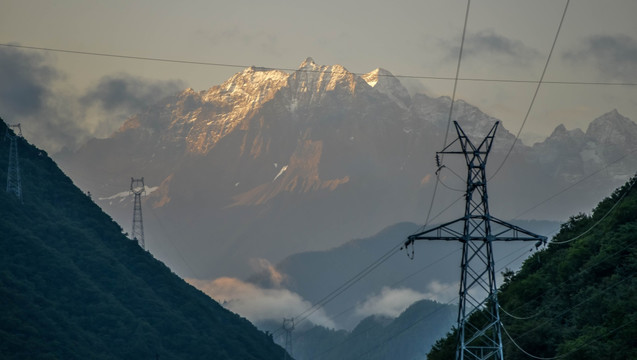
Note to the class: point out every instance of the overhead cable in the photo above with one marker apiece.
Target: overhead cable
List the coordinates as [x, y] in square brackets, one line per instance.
[453, 98]
[537, 89]
[632, 182]
[243, 66]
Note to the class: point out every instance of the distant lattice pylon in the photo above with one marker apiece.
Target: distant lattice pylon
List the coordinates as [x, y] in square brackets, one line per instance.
[137, 188]
[288, 326]
[14, 182]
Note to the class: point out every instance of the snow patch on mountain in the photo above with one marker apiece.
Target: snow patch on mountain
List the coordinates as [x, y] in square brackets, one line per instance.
[280, 173]
[125, 194]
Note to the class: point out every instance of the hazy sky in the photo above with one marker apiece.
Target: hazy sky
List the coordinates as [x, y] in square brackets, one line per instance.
[65, 98]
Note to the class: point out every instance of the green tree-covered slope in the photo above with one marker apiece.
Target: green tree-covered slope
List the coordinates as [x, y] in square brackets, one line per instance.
[72, 286]
[578, 298]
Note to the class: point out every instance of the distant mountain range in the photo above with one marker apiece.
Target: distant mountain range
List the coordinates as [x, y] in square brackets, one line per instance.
[271, 163]
[434, 272]
[407, 336]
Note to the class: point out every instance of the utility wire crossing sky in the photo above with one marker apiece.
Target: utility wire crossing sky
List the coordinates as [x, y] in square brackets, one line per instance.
[507, 43]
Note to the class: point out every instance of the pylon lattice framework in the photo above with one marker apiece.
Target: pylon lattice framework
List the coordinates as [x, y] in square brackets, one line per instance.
[137, 188]
[14, 182]
[479, 332]
[288, 326]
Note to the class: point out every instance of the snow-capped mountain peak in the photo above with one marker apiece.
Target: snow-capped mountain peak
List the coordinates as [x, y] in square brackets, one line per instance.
[386, 83]
[314, 79]
[308, 64]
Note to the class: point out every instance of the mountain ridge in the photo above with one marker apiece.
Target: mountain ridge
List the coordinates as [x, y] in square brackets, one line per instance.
[317, 152]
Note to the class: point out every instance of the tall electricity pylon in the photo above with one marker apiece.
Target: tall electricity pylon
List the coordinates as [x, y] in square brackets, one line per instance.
[137, 188]
[14, 183]
[288, 326]
[479, 327]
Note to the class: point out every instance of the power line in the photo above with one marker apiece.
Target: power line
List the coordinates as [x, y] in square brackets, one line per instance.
[406, 278]
[586, 268]
[343, 287]
[576, 183]
[603, 291]
[242, 66]
[577, 237]
[573, 350]
[518, 216]
[537, 89]
[449, 302]
[169, 238]
[453, 98]
[303, 316]
[427, 266]
[331, 296]
[632, 182]
[422, 318]
[354, 279]
[478, 265]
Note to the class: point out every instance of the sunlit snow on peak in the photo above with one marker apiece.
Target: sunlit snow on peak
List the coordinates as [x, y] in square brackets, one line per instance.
[280, 173]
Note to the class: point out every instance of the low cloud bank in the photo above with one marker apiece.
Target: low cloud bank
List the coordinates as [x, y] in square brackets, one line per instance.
[392, 302]
[257, 304]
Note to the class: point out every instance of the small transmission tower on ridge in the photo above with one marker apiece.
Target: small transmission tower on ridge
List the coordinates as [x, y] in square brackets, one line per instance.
[288, 326]
[479, 328]
[14, 182]
[137, 188]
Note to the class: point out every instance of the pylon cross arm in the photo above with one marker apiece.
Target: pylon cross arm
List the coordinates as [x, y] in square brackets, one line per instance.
[510, 232]
[503, 232]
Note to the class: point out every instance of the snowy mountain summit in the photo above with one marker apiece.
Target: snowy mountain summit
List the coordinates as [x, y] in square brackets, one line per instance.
[385, 82]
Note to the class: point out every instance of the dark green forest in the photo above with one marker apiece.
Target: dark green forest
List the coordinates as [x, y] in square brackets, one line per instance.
[576, 299]
[73, 286]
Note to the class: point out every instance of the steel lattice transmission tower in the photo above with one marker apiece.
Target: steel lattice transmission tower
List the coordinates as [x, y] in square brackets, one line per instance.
[479, 328]
[288, 326]
[14, 182]
[137, 188]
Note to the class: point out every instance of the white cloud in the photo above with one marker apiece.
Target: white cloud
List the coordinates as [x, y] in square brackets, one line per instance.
[442, 292]
[392, 302]
[257, 304]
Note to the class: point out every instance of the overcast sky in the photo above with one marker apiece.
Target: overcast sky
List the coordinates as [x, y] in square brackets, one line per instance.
[62, 99]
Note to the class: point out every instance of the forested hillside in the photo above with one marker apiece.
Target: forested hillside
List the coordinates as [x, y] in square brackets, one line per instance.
[578, 298]
[73, 286]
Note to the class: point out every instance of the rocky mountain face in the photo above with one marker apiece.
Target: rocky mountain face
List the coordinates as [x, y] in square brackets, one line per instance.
[572, 154]
[271, 163]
